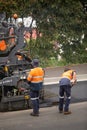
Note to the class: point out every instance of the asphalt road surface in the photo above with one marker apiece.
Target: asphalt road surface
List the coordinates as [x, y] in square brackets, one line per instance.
[79, 93]
[49, 118]
[57, 71]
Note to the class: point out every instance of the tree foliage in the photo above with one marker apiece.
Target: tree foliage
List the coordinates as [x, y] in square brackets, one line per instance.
[63, 21]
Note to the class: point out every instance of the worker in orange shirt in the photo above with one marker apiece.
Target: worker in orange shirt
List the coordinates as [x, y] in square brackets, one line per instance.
[35, 79]
[66, 82]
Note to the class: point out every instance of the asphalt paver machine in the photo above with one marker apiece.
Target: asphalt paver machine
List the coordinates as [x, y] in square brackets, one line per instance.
[15, 64]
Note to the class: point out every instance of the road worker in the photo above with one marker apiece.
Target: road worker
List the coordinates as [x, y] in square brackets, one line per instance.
[66, 82]
[35, 79]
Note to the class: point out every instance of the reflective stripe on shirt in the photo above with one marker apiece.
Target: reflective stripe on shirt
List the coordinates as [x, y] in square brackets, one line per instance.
[35, 98]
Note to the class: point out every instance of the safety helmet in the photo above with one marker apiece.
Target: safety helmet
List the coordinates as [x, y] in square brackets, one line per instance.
[35, 62]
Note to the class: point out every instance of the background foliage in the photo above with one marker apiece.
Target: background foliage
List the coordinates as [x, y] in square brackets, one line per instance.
[63, 24]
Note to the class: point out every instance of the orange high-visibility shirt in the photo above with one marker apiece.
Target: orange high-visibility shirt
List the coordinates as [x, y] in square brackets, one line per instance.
[36, 75]
[3, 45]
[68, 74]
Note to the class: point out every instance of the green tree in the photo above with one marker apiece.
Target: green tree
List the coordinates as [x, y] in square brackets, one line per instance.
[63, 21]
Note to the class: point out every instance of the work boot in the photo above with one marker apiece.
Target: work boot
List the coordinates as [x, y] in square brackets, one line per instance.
[34, 114]
[67, 112]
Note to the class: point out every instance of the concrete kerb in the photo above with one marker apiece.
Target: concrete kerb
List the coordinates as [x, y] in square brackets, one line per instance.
[55, 80]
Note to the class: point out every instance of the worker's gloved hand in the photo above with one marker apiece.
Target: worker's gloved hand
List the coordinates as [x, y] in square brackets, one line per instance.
[28, 82]
[73, 82]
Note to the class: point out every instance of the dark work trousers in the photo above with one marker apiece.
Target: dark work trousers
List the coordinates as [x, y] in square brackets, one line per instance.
[35, 101]
[64, 94]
